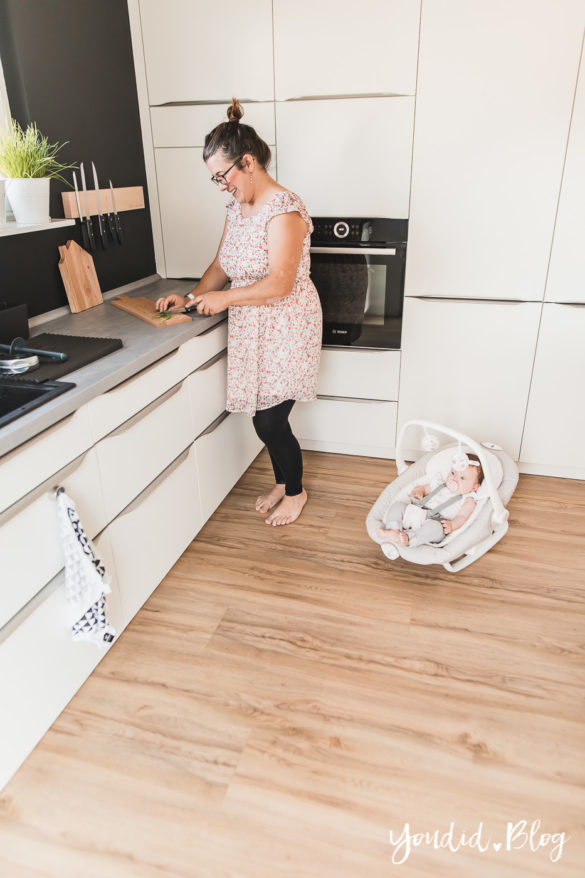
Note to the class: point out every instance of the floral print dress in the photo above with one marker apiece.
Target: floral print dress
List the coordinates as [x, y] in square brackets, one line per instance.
[273, 350]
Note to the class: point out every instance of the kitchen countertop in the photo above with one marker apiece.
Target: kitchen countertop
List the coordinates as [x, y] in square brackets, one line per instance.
[143, 345]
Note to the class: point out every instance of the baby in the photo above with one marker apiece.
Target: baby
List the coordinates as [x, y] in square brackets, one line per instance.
[436, 511]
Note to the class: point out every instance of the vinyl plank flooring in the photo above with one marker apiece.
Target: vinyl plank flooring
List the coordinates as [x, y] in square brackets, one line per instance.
[287, 697]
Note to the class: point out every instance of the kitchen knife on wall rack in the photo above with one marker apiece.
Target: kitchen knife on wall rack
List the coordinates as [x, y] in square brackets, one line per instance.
[92, 244]
[101, 220]
[84, 232]
[115, 222]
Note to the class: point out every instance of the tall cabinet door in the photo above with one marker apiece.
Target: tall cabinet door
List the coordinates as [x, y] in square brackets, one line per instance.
[555, 422]
[566, 276]
[192, 208]
[201, 52]
[467, 365]
[495, 90]
[343, 176]
[323, 47]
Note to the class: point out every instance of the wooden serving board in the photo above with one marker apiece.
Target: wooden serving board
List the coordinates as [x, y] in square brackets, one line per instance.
[145, 309]
[79, 277]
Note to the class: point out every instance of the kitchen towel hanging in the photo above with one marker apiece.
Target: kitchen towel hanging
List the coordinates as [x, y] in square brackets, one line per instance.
[86, 579]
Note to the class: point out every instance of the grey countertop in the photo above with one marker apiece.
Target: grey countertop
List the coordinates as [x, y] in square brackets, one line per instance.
[143, 345]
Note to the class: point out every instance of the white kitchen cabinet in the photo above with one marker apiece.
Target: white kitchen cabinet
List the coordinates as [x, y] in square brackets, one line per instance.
[41, 667]
[347, 157]
[467, 364]
[323, 47]
[136, 452]
[126, 438]
[28, 466]
[366, 374]
[495, 89]
[554, 433]
[153, 532]
[346, 426]
[30, 541]
[224, 452]
[192, 211]
[566, 274]
[192, 208]
[200, 52]
[207, 389]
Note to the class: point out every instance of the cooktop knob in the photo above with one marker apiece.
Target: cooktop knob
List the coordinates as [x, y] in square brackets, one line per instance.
[341, 229]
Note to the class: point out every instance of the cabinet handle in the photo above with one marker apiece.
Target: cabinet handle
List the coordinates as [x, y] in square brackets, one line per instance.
[221, 356]
[357, 399]
[214, 424]
[361, 251]
[453, 299]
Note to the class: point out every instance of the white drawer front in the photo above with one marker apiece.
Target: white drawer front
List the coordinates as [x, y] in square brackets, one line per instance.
[32, 463]
[346, 426]
[202, 348]
[207, 393]
[116, 406]
[41, 669]
[359, 373]
[223, 456]
[149, 536]
[137, 452]
[30, 542]
[188, 126]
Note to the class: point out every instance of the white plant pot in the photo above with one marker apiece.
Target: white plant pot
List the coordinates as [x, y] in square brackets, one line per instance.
[29, 199]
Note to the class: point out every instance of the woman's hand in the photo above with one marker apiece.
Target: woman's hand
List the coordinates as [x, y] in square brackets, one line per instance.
[211, 303]
[172, 301]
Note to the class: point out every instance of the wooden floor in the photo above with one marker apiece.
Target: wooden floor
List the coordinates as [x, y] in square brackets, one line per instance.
[288, 697]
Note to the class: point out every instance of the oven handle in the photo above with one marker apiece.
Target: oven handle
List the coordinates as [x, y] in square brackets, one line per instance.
[366, 251]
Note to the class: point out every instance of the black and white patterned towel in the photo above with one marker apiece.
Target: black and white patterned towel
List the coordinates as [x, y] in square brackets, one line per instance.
[86, 578]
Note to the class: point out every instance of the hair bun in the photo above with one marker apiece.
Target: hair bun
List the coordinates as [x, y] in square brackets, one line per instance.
[235, 111]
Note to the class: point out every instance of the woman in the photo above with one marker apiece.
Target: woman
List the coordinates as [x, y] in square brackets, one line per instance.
[274, 329]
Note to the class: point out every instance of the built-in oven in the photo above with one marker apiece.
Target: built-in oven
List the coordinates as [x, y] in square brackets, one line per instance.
[357, 266]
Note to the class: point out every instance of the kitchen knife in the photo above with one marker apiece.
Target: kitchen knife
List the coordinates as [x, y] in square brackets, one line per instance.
[84, 233]
[111, 221]
[101, 220]
[92, 245]
[117, 223]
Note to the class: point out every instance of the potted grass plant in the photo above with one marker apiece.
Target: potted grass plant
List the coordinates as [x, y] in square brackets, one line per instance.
[29, 162]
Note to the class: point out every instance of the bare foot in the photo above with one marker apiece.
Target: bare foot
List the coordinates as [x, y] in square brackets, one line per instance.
[393, 536]
[288, 509]
[265, 502]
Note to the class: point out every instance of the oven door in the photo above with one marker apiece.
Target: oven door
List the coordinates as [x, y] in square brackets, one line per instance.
[361, 291]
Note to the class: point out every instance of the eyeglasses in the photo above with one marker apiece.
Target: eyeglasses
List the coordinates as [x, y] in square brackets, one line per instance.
[220, 179]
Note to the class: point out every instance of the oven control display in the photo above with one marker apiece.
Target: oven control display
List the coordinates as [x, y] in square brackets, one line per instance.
[341, 230]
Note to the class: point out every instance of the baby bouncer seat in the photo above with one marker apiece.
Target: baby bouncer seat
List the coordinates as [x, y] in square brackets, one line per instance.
[486, 525]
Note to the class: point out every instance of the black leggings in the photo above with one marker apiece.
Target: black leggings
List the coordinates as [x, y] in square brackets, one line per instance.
[274, 430]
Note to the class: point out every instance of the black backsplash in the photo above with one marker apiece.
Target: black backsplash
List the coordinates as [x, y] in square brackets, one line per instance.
[69, 68]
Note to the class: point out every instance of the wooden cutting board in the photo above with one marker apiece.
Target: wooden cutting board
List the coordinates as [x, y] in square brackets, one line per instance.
[145, 310]
[79, 277]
